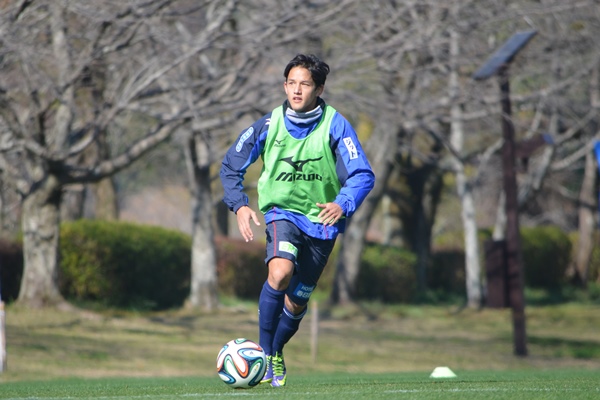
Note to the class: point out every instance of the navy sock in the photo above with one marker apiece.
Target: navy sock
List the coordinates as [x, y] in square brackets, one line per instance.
[288, 326]
[270, 308]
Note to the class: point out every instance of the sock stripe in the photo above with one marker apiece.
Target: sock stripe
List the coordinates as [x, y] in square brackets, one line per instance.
[292, 316]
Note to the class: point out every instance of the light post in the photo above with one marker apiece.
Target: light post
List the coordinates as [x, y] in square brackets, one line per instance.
[498, 65]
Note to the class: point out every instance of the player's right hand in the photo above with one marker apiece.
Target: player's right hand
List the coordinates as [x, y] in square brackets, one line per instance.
[244, 215]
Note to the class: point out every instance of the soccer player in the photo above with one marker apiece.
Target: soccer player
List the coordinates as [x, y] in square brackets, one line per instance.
[314, 177]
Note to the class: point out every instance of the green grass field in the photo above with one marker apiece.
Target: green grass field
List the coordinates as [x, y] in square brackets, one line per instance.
[371, 352]
[555, 384]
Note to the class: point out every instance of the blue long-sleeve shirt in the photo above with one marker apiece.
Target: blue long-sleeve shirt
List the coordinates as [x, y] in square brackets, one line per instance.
[352, 167]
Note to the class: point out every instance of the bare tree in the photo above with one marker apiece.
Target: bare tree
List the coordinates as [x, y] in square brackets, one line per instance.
[47, 47]
[408, 51]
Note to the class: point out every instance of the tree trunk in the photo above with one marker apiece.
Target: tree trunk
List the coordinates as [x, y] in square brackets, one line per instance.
[222, 218]
[348, 262]
[41, 224]
[203, 287]
[391, 226]
[73, 200]
[353, 241]
[105, 191]
[418, 215]
[587, 221]
[463, 188]
[472, 265]
[105, 195]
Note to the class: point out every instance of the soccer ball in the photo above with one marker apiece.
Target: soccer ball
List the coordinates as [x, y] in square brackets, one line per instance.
[241, 363]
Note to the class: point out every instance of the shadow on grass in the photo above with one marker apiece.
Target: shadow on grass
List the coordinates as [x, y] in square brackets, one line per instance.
[581, 349]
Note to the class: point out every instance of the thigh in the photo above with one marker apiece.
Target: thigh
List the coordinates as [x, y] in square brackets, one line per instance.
[309, 267]
[284, 240]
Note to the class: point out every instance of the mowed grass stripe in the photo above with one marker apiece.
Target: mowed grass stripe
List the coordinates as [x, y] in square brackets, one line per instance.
[470, 385]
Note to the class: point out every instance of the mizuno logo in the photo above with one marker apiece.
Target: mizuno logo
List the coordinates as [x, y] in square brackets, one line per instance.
[292, 177]
[298, 165]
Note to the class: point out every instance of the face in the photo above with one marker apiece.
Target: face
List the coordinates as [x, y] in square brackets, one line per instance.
[301, 90]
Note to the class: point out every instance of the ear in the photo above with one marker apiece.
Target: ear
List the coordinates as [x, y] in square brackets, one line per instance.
[320, 90]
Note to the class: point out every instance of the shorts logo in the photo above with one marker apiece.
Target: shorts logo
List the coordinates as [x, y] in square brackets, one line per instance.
[287, 247]
[243, 138]
[303, 291]
[351, 148]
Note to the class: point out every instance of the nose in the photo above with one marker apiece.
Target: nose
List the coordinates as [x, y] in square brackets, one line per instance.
[297, 88]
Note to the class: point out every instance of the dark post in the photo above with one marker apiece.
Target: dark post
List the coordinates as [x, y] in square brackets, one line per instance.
[513, 239]
[498, 65]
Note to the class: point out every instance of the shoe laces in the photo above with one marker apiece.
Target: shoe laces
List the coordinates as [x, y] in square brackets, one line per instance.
[278, 365]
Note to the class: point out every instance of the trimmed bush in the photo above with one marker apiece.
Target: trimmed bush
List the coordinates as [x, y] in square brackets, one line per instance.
[124, 264]
[127, 265]
[241, 268]
[546, 252]
[546, 256]
[594, 267]
[447, 271]
[387, 274]
[11, 269]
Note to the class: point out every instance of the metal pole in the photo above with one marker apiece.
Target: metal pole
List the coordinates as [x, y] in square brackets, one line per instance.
[2, 338]
[513, 240]
[314, 332]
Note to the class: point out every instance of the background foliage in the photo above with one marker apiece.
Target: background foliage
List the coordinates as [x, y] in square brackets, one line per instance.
[124, 264]
[130, 265]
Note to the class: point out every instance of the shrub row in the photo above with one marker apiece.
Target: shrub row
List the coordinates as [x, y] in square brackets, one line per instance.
[124, 264]
[128, 265]
[241, 269]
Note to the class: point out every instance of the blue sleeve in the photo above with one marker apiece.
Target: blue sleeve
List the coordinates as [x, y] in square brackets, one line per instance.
[244, 151]
[353, 168]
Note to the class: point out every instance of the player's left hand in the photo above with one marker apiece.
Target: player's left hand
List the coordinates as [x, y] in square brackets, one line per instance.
[330, 213]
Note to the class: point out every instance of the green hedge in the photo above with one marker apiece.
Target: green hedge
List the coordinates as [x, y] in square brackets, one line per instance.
[546, 256]
[546, 253]
[387, 274]
[124, 264]
[241, 268]
[128, 265]
[594, 267]
[446, 273]
[11, 268]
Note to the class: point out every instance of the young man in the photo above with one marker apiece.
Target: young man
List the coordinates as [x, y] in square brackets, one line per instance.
[315, 175]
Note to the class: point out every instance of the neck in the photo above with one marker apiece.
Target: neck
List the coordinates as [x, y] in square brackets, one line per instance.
[304, 117]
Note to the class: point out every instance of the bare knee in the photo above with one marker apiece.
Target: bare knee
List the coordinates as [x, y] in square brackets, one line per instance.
[280, 273]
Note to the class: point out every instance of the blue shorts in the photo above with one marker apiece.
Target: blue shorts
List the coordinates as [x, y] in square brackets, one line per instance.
[309, 255]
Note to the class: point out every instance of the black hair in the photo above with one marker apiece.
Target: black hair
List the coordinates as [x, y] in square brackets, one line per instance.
[317, 68]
